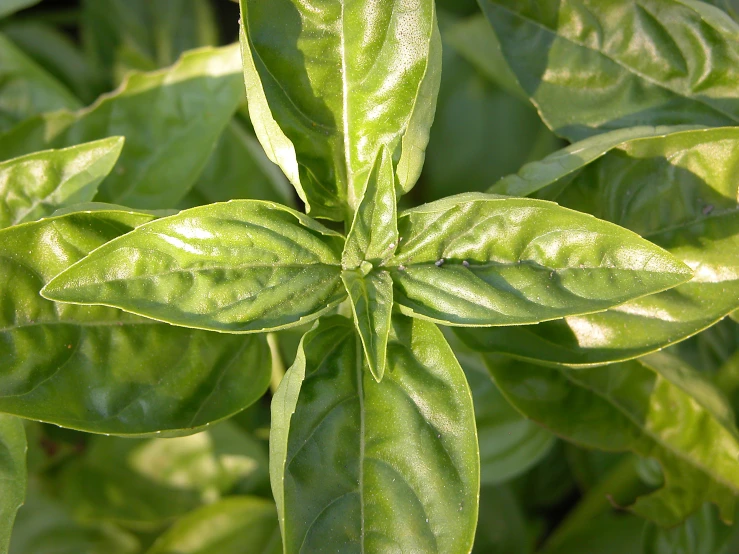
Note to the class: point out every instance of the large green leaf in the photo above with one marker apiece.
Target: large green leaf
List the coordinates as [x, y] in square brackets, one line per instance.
[239, 169]
[702, 533]
[171, 120]
[242, 266]
[45, 526]
[120, 35]
[656, 407]
[36, 185]
[361, 466]
[12, 474]
[146, 483]
[99, 369]
[27, 89]
[479, 259]
[592, 66]
[502, 526]
[235, 525]
[679, 191]
[329, 83]
[8, 7]
[510, 444]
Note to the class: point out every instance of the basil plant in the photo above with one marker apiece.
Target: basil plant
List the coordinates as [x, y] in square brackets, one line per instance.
[165, 251]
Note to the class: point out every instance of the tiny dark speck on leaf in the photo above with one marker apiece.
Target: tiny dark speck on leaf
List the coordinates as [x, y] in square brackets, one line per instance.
[708, 209]
[401, 267]
[439, 262]
[465, 263]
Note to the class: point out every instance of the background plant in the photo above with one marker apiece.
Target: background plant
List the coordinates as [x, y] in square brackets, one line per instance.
[609, 426]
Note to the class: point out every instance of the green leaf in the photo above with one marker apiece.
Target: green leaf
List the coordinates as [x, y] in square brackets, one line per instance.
[36, 185]
[56, 52]
[120, 35]
[656, 407]
[372, 305]
[329, 84]
[45, 527]
[12, 474]
[478, 259]
[608, 533]
[679, 191]
[171, 120]
[703, 533]
[239, 169]
[597, 66]
[27, 89]
[102, 370]
[373, 236]
[8, 7]
[239, 267]
[360, 466]
[502, 525]
[510, 444]
[234, 525]
[146, 483]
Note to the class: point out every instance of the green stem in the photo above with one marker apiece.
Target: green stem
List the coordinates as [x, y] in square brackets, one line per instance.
[278, 366]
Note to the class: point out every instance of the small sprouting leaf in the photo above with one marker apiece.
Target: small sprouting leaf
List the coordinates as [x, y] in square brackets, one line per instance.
[99, 369]
[239, 267]
[650, 407]
[479, 260]
[371, 298]
[330, 84]
[592, 67]
[358, 465]
[12, 474]
[171, 120]
[234, 525]
[36, 185]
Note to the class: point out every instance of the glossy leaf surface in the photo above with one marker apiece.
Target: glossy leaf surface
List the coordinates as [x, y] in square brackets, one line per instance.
[241, 266]
[99, 369]
[510, 444]
[371, 297]
[595, 66]
[679, 191]
[658, 409]
[12, 474]
[146, 483]
[478, 259]
[36, 185]
[234, 525]
[171, 120]
[361, 466]
[27, 89]
[330, 83]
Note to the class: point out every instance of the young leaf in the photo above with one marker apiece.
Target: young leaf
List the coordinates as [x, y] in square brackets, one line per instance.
[679, 191]
[27, 89]
[99, 369]
[330, 83]
[373, 236]
[234, 525]
[363, 466]
[12, 474]
[596, 66]
[478, 259]
[656, 407]
[171, 120]
[239, 267]
[36, 185]
[371, 298]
